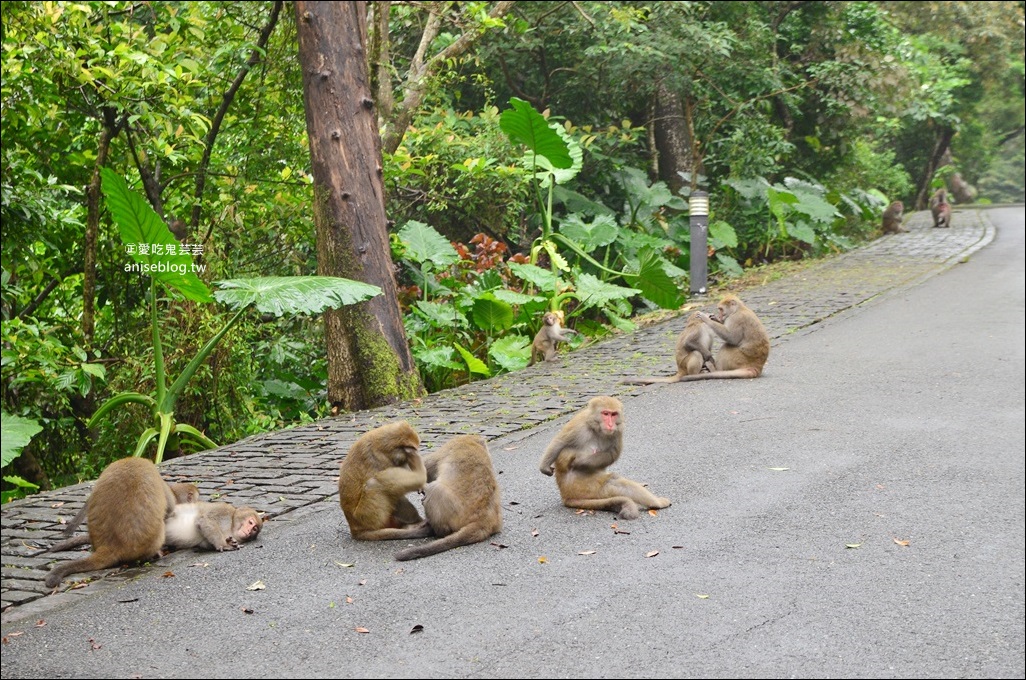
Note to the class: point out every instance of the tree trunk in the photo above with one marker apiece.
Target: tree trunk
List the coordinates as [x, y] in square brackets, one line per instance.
[941, 147]
[369, 361]
[92, 230]
[959, 188]
[674, 140]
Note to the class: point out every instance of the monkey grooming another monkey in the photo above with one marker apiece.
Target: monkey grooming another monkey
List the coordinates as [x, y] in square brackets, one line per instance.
[125, 515]
[693, 352]
[184, 492]
[548, 337]
[746, 343]
[892, 218]
[214, 526]
[940, 209]
[461, 499]
[580, 454]
[382, 466]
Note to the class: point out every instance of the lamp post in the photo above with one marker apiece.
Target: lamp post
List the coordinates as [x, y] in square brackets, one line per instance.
[699, 204]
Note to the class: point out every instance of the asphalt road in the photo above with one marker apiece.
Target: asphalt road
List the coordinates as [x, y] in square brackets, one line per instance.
[857, 512]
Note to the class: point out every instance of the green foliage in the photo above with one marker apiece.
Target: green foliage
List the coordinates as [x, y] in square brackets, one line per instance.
[274, 295]
[15, 433]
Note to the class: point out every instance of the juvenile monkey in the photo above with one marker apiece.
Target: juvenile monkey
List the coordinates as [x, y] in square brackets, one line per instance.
[580, 454]
[940, 209]
[746, 343]
[693, 352]
[184, 492]
[125, 515]
[548, 337]
[214, 526]
[461, 499]
[382, 466]
[892, 218]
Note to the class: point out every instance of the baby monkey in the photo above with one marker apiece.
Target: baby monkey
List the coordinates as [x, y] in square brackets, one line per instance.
[214, 526]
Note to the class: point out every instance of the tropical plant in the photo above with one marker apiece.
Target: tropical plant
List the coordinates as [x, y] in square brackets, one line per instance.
[15, 434]
[156, 252]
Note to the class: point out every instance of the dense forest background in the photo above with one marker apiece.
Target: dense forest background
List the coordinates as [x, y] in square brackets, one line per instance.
[801, 120]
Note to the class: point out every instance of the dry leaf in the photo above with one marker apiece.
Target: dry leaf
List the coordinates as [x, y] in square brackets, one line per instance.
[168, 574]
[543, 559]
[349, 600]
[345, 564]
[200, 564]
[677, 547]
[40, 623]
[654, 513]
[57, 505]
[499, 546]
[134, 599]
[587, 552]
[901, 542]
[652, 553]
[778, 469]
[256, 585]
[93, 645]
[247, 610]
[852, 545]
[362, 582]
[534, 532]
[358, 629]
[417, 629]
[699, 595]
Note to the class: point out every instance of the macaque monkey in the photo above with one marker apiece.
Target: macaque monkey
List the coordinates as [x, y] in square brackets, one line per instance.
[746, 344]
[892, 218]
[214, 526]
[693, 352]
[461, 499]
[548, 337]
[184, 492]
[940, 209]
[383, 466]
[125, 516]
[580, 454]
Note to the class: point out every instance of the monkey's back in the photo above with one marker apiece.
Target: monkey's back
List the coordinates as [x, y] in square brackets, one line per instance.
[466, 490]
[126, 511]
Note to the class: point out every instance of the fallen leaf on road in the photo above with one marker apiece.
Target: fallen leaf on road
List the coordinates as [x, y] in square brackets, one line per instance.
[362, 583]
[345, 564]
[417, 629]
[543, 559]
[40, 623]
[200, 564]
[700, 596]
[168, 574]
[246, 610]
[901, 542]
[358, 629]
[349, 600]
[534, 532]
[852, 545]
[652, 553]
[778, 469]
[587, 552]
[654, 513]
[256, 585]
[499, 546]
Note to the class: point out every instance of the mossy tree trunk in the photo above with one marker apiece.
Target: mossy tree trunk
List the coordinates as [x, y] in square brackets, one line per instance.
[369, 361]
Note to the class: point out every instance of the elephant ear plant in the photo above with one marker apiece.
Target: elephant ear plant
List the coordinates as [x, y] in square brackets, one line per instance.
[173, 269]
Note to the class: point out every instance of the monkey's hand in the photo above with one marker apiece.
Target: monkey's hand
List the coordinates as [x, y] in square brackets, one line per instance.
[548, 470]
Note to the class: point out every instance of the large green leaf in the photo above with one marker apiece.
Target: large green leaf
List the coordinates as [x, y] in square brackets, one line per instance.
[601, 231]
[543, 279]
[15, 434]
[424, 244]
[655, 284]
[293, 294]
[148, 240]
[722, 235]
[512, 352]
[594, 292]
[440, 315]
[474, 365]
[523, 125]
[491, 314]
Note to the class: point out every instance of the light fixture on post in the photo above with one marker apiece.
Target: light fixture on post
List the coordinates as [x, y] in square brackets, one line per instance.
[699, 211]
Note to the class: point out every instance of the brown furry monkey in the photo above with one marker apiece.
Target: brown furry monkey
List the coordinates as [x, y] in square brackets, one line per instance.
[892, 218]
[693, 352]
[548, 338]
[383, 466]
[214, 526]
[746, 343]
[125, 516]
[184, 492]
[579, 455]
[940, 209]
[461, 499]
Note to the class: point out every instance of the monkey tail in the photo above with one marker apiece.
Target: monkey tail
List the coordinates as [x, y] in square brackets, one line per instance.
[77, 541]
[621, 505]
[652, 381]
[747, 372]
[472, 533]
[91, 563]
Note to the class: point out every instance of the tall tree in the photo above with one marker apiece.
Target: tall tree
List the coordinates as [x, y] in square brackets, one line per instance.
[369, 361]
